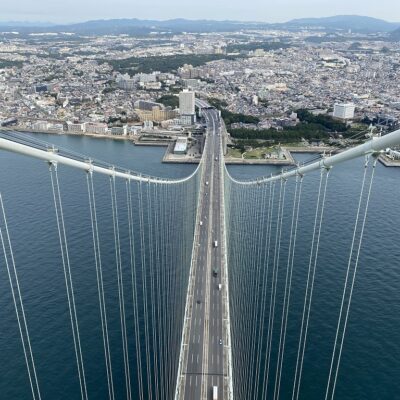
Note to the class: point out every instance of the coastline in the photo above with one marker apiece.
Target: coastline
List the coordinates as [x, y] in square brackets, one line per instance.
[92, 135]
[171, 158]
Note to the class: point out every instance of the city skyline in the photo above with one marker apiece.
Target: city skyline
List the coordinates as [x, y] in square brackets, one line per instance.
[257, 10]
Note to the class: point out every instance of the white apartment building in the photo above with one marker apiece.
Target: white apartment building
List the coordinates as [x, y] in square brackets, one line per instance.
[344, 110]
[76, 128]
[98, 128]
[186, 103]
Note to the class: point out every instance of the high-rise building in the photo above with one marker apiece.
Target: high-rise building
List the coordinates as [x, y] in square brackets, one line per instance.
[344, 111]
[187, 103]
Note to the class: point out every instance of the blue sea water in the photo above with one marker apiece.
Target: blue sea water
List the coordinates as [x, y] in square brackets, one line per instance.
[370, 366]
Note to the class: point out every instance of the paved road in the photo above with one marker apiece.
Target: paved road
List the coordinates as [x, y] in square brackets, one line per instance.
[205, 358]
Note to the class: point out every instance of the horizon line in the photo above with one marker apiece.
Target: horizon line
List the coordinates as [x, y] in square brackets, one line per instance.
[51, 23]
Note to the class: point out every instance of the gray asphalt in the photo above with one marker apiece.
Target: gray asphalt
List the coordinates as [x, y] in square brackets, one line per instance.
[205, 365]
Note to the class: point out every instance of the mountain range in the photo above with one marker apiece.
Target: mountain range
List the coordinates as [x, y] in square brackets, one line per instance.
[395, 35]
[354, 23]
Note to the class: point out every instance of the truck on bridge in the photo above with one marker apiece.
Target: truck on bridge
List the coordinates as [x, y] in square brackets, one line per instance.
[215, 393]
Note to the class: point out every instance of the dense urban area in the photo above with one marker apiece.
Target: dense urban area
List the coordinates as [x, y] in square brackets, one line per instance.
[305, 87]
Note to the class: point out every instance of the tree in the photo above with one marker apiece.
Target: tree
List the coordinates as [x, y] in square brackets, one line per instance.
[169, 100]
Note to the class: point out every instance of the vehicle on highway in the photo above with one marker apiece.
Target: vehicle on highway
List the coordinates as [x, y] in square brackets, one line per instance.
[215, 393]
[215, 271]
[206, 183]
[201, 223]
[215, 243]
[219, 286]
[220, 341]
[216, 158]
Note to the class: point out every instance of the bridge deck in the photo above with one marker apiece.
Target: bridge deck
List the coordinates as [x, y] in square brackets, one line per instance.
[205, 351]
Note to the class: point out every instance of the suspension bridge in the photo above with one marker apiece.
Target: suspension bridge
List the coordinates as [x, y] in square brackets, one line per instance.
[204, 270]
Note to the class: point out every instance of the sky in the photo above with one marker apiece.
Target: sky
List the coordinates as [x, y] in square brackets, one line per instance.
[66, 11]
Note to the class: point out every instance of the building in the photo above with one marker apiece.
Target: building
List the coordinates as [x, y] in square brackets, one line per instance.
[119, 130]
[186, 103]
[344, 111]
[147, 78]
[125, 82]
[146, 105]
[41, 126]
[148, 125]
[156, 114]
[187, 108]
[9, 122]
[56, 127]
[189, 72]
[187, 119]
[163, 115]
[76, 128]
[192, 83]
[43, 87]
[181, 146]
[150, 85]
[97, 128]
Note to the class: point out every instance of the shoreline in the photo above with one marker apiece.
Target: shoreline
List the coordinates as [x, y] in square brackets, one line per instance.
[171, 158]
[92, 135]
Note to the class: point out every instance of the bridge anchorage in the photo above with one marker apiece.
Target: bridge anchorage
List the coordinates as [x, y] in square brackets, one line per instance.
[207, 286]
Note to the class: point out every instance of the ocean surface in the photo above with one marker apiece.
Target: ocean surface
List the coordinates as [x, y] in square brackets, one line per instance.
[370, 366]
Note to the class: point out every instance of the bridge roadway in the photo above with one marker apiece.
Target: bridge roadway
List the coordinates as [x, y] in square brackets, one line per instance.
[205, 355]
